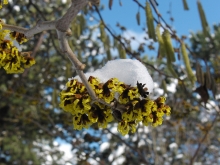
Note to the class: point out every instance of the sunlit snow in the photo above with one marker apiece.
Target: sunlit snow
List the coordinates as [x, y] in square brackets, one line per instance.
[126, 70]
[104, 146]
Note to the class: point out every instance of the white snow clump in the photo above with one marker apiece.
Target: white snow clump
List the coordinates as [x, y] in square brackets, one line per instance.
[126, 70]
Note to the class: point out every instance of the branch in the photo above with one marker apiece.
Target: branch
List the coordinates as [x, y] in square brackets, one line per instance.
[172, 32]
[64, 45]
[62, 28]
[63, 23]
[127, 144]
[126, 49]
[41, 127]
[114, 36]
[33, 54]
[203, 139]
[39, 27]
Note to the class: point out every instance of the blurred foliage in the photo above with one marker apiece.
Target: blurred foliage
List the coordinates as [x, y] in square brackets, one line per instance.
[32, 124]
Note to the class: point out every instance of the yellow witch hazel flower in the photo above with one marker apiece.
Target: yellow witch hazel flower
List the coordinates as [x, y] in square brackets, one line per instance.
[3, 2]
[19, 37]
[11, 59]
[132, 105]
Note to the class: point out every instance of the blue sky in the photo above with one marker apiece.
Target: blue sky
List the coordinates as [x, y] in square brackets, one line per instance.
[184, 21]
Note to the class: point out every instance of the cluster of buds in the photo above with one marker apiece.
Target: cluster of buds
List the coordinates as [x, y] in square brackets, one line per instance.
[11, 59]
[127, 105]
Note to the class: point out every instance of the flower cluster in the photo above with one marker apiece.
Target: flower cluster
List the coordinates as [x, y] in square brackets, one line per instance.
[3, 2]
[76, 100]
[130, 105]
[11, 59]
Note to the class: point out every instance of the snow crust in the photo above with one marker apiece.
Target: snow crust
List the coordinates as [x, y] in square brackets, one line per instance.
[126, 70]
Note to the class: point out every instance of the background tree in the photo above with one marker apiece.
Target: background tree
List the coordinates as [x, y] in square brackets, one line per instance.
[31, 122]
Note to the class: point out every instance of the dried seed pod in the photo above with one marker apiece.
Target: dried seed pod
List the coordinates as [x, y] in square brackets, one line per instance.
[121, 51]
[120, 3]
[214, 87]
[203, 92]
[107, 43]
[68, 69]
[109, 56]
[54, 98]
[115, 43]
[203, 19]
[162, 50]
[95, 2]
[208, 80]
[159, 37]
[78, 31]
[172, 71]
[187, 63]
[168, 46]
[82, 22]
[150, 22]
[138, 18]
[110, 2]
[102, 32]
[199, 74]
[164, 86]
[185, 5]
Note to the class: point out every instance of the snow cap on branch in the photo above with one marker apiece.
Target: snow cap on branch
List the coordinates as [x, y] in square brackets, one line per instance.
[126, 70]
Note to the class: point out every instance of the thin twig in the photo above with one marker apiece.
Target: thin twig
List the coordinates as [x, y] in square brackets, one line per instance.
[41, 127]
[36, 48]
[114, 36]
[131, 147]
[77, 64]
[203, 139]
[126, 49]
[173, 33]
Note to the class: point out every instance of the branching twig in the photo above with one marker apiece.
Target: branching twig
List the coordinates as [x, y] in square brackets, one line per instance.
[126, 49]
[203, 139]
[41, 127]
[173, 33]
[78, 65]
[33, 54]
[114, 36]
[127, 144]
[63, 23]
[39, 27]
[62, 27]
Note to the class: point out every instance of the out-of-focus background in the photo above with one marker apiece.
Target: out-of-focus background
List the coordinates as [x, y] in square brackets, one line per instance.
[34, 130]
